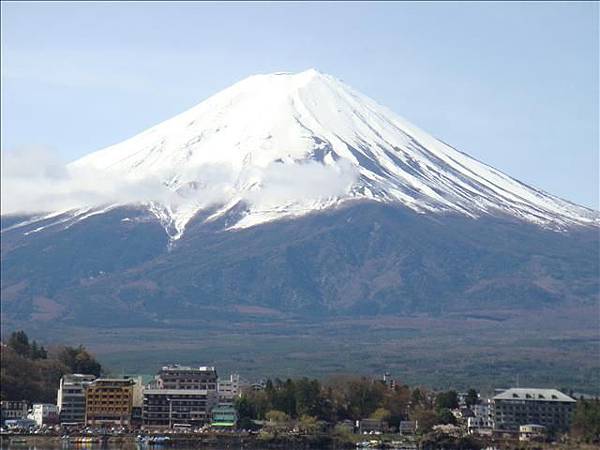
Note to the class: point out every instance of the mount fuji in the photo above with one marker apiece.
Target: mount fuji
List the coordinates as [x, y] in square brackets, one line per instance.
[291, 194]
[284, 145]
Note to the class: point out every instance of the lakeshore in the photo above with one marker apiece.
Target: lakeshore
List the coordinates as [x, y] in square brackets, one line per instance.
[256, 441]
[195, 407]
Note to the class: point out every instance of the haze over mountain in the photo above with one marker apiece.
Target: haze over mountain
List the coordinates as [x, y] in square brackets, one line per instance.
[291, 197]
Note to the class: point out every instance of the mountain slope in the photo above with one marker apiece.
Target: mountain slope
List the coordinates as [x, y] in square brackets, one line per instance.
[364, 258]
[364, 288]
[286, 144]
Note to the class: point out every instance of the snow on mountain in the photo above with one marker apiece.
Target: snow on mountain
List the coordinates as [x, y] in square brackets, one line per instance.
[285, 144]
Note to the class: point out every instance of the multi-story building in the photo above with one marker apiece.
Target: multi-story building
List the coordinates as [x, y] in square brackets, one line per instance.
[185, 377]
[44, 414]
[137, 402]
[482, 421]
[229, 388]
[13, 409]
[71, 398]
[169, 408]
[520, 406]
[224, 415]
[109, 402]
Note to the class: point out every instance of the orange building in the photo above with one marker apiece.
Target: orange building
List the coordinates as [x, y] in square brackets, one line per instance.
[109, 402]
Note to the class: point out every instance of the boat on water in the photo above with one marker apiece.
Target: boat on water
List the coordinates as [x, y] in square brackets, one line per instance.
[394, 445]
[369, 444]
[153, 440]
[85, 440]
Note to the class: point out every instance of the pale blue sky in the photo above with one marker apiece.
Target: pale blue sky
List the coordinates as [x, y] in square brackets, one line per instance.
[513, 84]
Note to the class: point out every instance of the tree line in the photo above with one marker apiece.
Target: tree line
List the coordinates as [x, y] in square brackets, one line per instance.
[306, 402]
[347, 398]
[586, 421]
[31, 372]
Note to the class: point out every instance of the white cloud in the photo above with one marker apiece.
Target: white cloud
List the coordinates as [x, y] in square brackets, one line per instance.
[35, 181]
[300, 183]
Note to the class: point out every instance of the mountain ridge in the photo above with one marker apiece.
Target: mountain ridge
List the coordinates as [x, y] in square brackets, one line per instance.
[284, 144]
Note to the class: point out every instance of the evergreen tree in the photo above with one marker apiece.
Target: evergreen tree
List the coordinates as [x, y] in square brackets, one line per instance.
[28, 374]
[417, 398]
[586, 421]
[446, 417]
[448, 400]
[36, 352]
[308, 397]
[472, 398]
[19, 342]
[79, 360]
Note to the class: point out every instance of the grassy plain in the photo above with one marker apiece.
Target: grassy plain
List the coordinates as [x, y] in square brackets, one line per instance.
[554, 348]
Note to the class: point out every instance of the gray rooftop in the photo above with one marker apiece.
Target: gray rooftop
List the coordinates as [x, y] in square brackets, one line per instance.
[78, 377]
[100, 381]
[177, 367]
[543, 395]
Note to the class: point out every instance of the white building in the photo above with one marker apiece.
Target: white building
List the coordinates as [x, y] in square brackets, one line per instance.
[44, 414]
[71, 398]
[482, 421]
[229, 389]
[532, 432]
[137, 399]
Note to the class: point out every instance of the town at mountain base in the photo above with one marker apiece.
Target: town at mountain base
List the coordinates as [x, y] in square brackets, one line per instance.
[206, 408]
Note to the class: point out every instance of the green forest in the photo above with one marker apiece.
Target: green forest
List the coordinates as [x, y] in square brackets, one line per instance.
[31, 372]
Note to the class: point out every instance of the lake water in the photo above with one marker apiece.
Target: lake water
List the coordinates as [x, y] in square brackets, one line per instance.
[4, 445]
[106, 447]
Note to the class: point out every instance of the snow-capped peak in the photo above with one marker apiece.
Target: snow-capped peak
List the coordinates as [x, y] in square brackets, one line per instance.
[286, 144]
